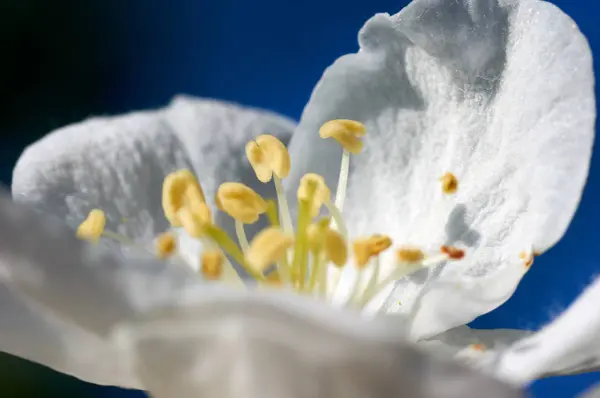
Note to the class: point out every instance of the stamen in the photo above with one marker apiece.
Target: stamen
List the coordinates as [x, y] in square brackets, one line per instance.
[336, 247]
[212, 265]
[181, 189]
[300, 258]
[409, 261]
[342, 186]
[267, 248]
[241, 235]
[346, 132]
[92, 228]
[220, 237]
[283, 266]
[284, 211]
[527, 258]
[453, 252]
[338, 220]
[194, 221]
[274, 279]
[409, 255]
[272, 213]
[165, 245]
[316, 239]
[449, 183]
[230, 275]
[256, 157]
[242, 203]
[314, 192]
[364, 249]
[269, 158]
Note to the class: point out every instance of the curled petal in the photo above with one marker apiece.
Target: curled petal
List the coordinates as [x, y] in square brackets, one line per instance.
[567, 345]
[118, 164]
[498, 93]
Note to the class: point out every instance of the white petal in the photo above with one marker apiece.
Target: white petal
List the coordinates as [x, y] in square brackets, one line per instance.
[472, 345]
[570, 344]
[499, 94]
[118, 163]
[592, 393]
[75, 292]
[283, 346]
[34, 333]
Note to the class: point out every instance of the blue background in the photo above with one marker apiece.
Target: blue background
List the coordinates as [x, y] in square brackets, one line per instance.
[67, 59]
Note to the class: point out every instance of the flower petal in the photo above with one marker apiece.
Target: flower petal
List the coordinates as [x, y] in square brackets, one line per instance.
[594, 392]
[277, 345]
[498, 93]
[473, 346]
[569, 344]
[118, 163]
[75, 292]
[34, 333]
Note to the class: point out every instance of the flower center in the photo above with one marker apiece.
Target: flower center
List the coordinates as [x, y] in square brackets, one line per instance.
[307, 258]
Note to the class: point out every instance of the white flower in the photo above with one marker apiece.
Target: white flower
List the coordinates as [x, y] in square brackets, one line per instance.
[479, 121]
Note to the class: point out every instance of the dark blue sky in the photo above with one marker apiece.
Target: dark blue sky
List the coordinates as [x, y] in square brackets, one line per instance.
[270, 53]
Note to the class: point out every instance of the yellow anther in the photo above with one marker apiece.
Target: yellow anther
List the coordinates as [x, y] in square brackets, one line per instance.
[240, 202]
[165, 245]
[212, 264]
[449, 183]
[364, 249]
[336, 247]
[267, 247]
[315, 234]
[93, 226]
[527, 259]
[268, 155]
[346, 132]
[195, 221]
[409, 255]
[478, 347]
[314, 191]
[274, 279]
[452, 252]
[180, 189]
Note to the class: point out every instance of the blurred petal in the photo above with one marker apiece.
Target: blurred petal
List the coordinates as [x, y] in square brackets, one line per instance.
[283, 346]
[118, 163]
[473, 346]
[34, 333]
[569, 344]
[592, 393]
[498, 93]
[67, 296]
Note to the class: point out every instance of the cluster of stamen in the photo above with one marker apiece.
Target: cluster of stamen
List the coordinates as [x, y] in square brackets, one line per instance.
[295, 256]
